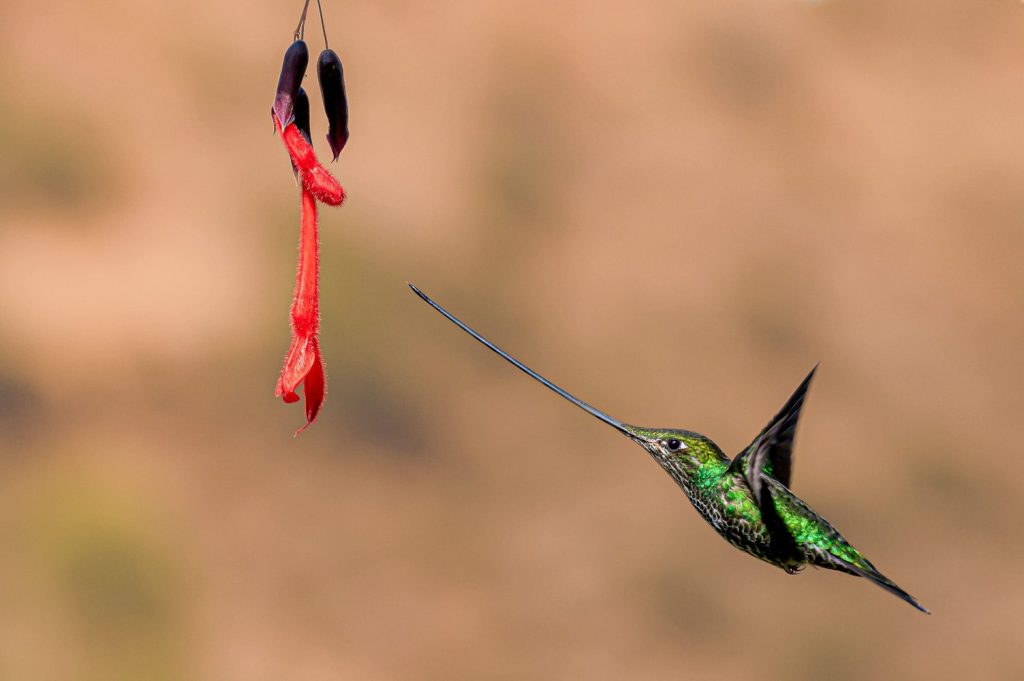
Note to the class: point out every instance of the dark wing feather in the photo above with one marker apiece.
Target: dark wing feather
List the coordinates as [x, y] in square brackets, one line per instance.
[782, 544]
[774, 445]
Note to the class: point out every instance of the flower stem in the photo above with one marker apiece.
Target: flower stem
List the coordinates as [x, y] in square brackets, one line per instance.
[323, 27]
[300, 30]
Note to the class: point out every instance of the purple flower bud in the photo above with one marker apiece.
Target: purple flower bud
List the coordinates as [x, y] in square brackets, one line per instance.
[296, 57]
[301, 110]
[332, 87]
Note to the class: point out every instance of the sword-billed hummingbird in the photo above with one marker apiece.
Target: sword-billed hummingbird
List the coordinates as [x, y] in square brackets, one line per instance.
[747, 499]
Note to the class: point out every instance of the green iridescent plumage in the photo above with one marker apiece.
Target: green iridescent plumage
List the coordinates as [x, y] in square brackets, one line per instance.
[747, 500]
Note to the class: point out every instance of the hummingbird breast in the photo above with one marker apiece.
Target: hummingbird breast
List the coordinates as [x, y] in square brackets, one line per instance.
[735, 516]
[725, 502]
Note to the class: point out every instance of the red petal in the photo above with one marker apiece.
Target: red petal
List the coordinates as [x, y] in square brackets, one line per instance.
[302, 355]
[299, 149]
[323, 186]
[315, 388]
[316, 179]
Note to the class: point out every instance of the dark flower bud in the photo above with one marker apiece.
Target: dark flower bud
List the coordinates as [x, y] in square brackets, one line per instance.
[332, 87]
[301, 115]
[296, 57]
[301, 110]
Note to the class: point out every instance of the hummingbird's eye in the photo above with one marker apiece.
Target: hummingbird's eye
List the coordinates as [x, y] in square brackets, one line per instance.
[674, 445]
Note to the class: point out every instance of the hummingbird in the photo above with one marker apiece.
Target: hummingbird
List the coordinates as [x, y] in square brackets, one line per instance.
[747, 499]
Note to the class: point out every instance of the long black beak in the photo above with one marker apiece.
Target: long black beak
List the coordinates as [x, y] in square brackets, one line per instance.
[618, 425]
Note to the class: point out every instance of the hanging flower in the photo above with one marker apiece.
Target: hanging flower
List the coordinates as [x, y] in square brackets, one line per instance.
[303, 365]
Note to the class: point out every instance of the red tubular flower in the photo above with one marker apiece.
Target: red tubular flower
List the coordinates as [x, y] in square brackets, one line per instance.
[303, 363]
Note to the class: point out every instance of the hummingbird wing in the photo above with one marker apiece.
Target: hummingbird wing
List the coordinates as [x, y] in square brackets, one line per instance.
[774, 445]
[782, 544]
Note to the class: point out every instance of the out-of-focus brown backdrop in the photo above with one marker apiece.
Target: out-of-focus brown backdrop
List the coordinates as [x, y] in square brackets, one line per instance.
[675, 209]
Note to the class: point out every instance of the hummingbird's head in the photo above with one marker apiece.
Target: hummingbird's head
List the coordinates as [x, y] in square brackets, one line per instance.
[682, 449]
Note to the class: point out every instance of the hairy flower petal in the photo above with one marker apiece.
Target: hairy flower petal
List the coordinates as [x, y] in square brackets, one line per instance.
[303, 364]
[315, 178]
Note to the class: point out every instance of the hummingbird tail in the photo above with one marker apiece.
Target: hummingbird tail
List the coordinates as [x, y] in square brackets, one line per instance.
[837, 563]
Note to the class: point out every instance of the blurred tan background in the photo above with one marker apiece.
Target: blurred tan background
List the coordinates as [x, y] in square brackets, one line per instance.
[674, 209]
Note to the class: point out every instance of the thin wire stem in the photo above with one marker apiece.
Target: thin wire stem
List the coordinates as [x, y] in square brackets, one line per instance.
[323, 28]
[300, 30]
